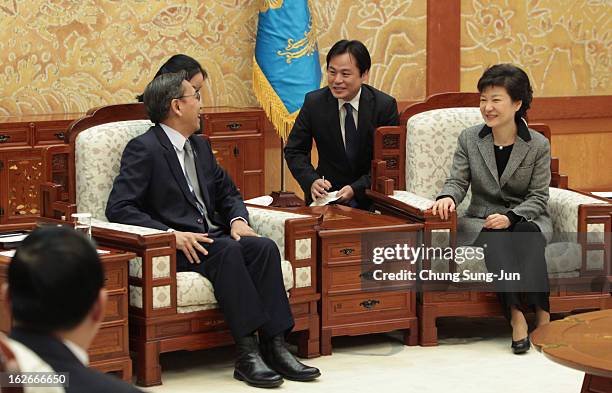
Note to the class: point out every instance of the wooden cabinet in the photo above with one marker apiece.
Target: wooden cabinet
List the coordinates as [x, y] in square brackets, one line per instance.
[352, 303]
[237, 138]
[22, 166]
[109, 351]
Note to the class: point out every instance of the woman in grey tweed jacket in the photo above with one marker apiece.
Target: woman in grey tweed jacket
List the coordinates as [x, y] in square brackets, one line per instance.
[508, 167]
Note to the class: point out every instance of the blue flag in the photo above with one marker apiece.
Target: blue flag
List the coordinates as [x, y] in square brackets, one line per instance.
[286, 64]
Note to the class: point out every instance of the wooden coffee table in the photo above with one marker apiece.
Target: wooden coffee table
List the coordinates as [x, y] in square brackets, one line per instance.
[350, 305]
[582, 342]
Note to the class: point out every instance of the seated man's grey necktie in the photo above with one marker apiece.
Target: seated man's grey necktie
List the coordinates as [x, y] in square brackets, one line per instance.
[192, 180]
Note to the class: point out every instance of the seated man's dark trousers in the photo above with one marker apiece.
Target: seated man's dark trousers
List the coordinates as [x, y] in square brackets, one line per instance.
[248, 284]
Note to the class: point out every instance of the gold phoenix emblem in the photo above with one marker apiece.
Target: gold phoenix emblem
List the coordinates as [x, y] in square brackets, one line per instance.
[267, 4]
[296, 49]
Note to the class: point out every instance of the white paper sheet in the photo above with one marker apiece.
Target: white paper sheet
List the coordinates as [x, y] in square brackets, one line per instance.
[264, 200]
[330, 197]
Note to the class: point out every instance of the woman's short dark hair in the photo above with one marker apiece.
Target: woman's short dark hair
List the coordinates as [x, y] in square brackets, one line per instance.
[179, 63]
[355, 48]
[54, 279]
[514, 80]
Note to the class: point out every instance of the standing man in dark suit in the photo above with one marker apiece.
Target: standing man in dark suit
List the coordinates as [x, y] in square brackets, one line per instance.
[341, 118]
[170, 180]
[57, 299]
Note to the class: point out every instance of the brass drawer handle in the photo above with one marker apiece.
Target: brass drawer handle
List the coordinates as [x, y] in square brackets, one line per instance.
[234, 126]
[347, 251]
[59, 135]
[4, 138]
[369, 304]
[369, 275]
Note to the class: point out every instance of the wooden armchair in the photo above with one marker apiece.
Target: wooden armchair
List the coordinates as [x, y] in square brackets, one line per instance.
[409, 168]
[169, 311]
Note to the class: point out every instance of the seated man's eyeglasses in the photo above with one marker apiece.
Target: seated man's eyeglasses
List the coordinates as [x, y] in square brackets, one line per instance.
[196, 95]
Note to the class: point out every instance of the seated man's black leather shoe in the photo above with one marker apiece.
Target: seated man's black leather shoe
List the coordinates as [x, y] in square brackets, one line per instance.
[278, 357]
[251, 368]
[521, 346]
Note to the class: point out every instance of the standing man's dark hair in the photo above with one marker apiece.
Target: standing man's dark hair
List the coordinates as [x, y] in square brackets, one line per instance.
[179, 63]
[341, 119]
[58, 301]
[54, 279]
[356, 49]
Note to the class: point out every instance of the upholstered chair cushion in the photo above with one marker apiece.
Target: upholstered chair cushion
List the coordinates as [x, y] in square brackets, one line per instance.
[195, 292]
[563, 255]
[431, 139]
[97, 161]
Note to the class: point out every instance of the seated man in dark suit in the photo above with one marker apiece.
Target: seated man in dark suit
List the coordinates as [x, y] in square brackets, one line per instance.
[341, 118]
[57, 299]
[170, 180]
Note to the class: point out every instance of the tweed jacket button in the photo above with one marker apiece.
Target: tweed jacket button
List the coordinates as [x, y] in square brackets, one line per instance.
[507, 204]
[200, 221]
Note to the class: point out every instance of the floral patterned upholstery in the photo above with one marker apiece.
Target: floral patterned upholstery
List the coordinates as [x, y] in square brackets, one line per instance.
[431, 139]
[563, 208]
[97, 162]
[271, 224]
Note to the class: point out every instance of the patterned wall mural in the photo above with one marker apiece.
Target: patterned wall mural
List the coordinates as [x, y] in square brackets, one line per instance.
[564, 45]
[64, 56]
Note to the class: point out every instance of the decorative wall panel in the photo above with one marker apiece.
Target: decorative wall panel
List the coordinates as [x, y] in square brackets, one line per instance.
[62, 56]
[564, 45]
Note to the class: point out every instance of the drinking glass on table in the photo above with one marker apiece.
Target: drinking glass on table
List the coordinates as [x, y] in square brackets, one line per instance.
[82, 223]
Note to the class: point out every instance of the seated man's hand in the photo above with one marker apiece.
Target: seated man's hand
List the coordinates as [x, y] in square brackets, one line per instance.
[497, 221]
[190, 242]
[319, 188]
[241, 228]
[346, 193]
[443, 207]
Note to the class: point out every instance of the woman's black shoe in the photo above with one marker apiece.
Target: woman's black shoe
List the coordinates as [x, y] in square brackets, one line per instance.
[521, 346]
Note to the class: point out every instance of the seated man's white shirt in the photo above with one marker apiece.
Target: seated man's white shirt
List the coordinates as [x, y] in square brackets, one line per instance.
[77, 351]
[178, 142]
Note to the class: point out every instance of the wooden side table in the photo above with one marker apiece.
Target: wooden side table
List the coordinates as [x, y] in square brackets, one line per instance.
[109, 351]
[347, 307]
[582, 342]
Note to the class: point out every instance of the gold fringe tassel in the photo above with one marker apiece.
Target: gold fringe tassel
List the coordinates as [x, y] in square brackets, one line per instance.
[280, 118]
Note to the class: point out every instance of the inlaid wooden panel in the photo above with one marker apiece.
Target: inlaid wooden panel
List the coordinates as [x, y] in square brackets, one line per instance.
[24, 176]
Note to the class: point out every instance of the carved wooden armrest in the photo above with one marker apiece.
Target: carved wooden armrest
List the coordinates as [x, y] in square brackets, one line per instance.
[153, 273]
[388, 164]
[52, 202]
[591, 218]
[296, 237]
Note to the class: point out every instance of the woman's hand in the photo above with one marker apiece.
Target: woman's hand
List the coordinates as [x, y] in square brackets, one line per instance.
[443, 207]
[497, 221]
